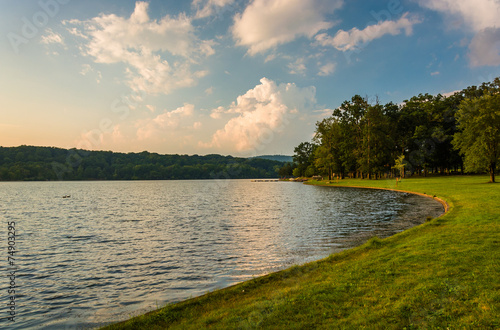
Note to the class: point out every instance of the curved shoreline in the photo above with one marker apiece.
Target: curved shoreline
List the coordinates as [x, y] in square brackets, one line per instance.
[434, 197]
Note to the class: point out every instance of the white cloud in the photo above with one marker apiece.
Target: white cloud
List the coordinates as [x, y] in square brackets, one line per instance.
[163, 123]
[52, 38]
[207, 8]
[265, 24]
[143, 45]
[436, 73]
[99, 139]
[297, 67]
[352, 39]
[270, 58]
[263, 112]
[87, 69]
[209, 91]
[478, 16]
[327, 69]
[448, 94]
[217, 113]
[485, 48]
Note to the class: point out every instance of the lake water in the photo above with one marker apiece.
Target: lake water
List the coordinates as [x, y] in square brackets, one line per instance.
[117, 249]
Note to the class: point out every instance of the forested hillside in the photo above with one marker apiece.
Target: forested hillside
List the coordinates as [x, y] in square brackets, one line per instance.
[279, 158]
[29, 163]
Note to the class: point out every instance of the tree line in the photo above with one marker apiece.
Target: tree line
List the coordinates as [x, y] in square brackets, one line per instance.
[30, 163]
[425, 134]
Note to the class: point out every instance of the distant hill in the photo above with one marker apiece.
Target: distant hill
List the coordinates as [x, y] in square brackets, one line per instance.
[29, 163]
[278, 158]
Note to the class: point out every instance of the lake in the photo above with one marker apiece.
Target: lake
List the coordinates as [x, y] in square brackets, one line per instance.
[117, 249]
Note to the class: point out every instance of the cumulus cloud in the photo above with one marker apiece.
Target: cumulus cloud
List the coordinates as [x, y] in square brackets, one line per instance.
[352, 39]
[143, 45]
[262, 113]
[265, 24]
[101, 138]
[478, 16]
[163, 123]
[206, 8]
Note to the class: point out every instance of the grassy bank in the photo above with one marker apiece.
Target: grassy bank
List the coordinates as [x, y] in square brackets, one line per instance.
[444, 273]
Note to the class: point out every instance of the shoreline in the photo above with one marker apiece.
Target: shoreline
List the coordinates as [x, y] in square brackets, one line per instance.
[446, 206]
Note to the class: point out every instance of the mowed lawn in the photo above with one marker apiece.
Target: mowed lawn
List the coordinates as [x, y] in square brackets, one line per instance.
[442, 274]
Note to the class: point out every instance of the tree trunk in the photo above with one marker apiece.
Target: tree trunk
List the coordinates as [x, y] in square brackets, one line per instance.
[492, 172]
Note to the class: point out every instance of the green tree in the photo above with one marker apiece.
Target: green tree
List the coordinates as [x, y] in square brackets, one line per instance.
[375, 144]
[479, 138]
[303, 157]
[328, 157]
[286, 170]
[400, 165]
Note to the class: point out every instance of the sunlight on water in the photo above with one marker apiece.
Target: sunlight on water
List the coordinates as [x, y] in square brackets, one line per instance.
[116, 249]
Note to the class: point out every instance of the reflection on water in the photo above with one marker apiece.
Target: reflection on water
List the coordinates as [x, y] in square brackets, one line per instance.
[116, 249]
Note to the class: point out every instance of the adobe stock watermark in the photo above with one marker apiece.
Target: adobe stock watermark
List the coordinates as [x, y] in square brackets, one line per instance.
[31, 26]
[394, 8]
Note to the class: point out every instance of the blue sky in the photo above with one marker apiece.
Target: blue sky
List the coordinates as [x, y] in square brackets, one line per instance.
[225, 76]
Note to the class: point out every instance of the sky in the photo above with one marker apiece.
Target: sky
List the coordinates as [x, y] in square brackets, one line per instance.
[231, 77]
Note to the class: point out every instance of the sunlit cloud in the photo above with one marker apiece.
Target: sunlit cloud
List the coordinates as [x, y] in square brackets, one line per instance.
[479, 16]
[352, 39]
[297, 67]
[327, 69]
[476, 14]
[262, 112]
[87, 69]
[265, 24]
[159, 54]
[51, 38]
[209, 91]
[163, 123]
[485, 47]
[206, 8]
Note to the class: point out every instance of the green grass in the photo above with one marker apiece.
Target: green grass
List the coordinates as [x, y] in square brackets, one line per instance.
[442, 274]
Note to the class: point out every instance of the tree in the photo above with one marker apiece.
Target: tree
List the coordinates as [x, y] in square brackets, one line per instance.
[375, 145]
[286, 170]
[303, 157]
[400, 165]
[327, 155]
[479, 138]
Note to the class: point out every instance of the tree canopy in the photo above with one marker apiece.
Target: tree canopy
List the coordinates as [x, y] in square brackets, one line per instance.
[425, 134]
[479, 138]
